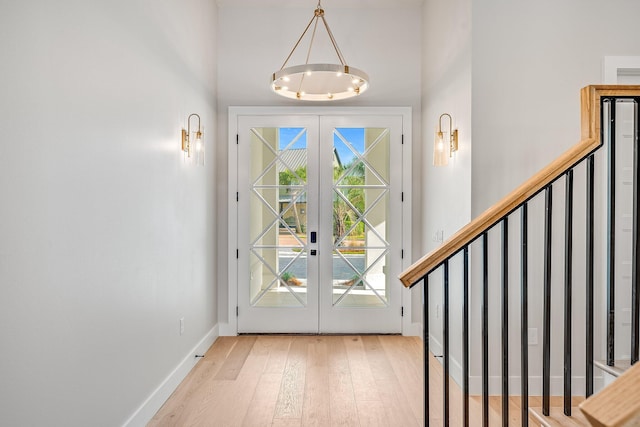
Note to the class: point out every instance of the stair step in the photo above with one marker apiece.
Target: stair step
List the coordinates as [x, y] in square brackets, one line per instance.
[557, 418]
[619, 368]
[617, 405]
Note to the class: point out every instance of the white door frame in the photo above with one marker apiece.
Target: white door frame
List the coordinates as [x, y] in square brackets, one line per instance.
[612, 66]
[231, 328]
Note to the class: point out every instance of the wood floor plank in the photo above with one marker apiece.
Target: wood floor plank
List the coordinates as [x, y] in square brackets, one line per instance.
[227, 401]
[408, 369]
[236, 359]
[495, 410]
[380, 367]
[263, 403]
[202, 412]
[278, 348]
[287, 422]
[338, 360]
[364, 385]
[371, 414]
[187, 395]
[316, 410]
[397, 410]
[344, 411]
[343, 408]
[290, 397]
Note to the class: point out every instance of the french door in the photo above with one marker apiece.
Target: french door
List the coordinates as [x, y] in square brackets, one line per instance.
[319, 224]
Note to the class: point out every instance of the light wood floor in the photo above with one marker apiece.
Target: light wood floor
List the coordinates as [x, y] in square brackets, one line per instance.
[301, 381]
[318, 381]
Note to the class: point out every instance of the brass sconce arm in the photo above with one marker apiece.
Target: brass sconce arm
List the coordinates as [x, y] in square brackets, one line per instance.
[453, 140]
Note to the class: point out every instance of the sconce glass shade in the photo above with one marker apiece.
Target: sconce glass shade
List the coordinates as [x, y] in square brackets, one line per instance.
[193, 142]
[440, 150]
[198, 155]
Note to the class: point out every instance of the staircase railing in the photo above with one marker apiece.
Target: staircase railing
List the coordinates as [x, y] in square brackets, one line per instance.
[596, 102]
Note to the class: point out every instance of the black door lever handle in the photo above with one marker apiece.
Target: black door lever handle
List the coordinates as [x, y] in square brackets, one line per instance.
[313, 237]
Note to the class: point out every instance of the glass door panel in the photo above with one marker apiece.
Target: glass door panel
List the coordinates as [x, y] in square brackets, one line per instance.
[361, 196]
[275, 202]
[362, 293]
[278, 210]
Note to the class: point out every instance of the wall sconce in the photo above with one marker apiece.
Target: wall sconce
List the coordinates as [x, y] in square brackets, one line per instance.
[193, 150]
[441, 150]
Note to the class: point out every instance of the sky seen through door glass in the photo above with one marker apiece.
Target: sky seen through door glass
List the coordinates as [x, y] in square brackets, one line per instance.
[355, 136]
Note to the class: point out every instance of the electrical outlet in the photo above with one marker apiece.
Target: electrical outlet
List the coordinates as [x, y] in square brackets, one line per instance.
[533, 336]
[181, 325]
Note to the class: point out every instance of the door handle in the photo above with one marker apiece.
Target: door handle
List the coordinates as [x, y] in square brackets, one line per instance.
[313, 237]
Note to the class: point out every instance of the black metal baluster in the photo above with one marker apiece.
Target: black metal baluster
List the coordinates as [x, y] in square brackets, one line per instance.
[425, 341]
[568, 270]
[611, 236]
[524, 307]
[505, 322]
[465, 336]
[546, 345]
[589, 277]
[635, 295]
[485, 331]
[445, 340]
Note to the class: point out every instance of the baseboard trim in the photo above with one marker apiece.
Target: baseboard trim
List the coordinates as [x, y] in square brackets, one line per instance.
[535, 385]
[495, 381]
[434, 345]
[154, 402]
[413, 330]
[228, 330]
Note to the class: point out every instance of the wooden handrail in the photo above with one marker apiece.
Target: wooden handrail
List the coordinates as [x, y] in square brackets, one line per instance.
[590, 128]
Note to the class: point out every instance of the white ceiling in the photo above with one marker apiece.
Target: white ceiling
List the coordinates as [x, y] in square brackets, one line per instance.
[327, 4]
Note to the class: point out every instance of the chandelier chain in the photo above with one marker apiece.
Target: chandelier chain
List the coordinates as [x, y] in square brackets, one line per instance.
[313, 36]
[334, 43]
[297, 43]
[318, 13]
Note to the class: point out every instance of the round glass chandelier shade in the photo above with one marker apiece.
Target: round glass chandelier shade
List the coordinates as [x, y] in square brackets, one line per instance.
[319, 82]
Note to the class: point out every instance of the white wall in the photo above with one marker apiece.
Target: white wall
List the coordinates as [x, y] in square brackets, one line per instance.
[446, 79]
[254, 41]
[106, 237]
[530, 61]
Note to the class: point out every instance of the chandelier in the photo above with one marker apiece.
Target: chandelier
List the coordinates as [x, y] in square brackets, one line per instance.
[319, 82]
